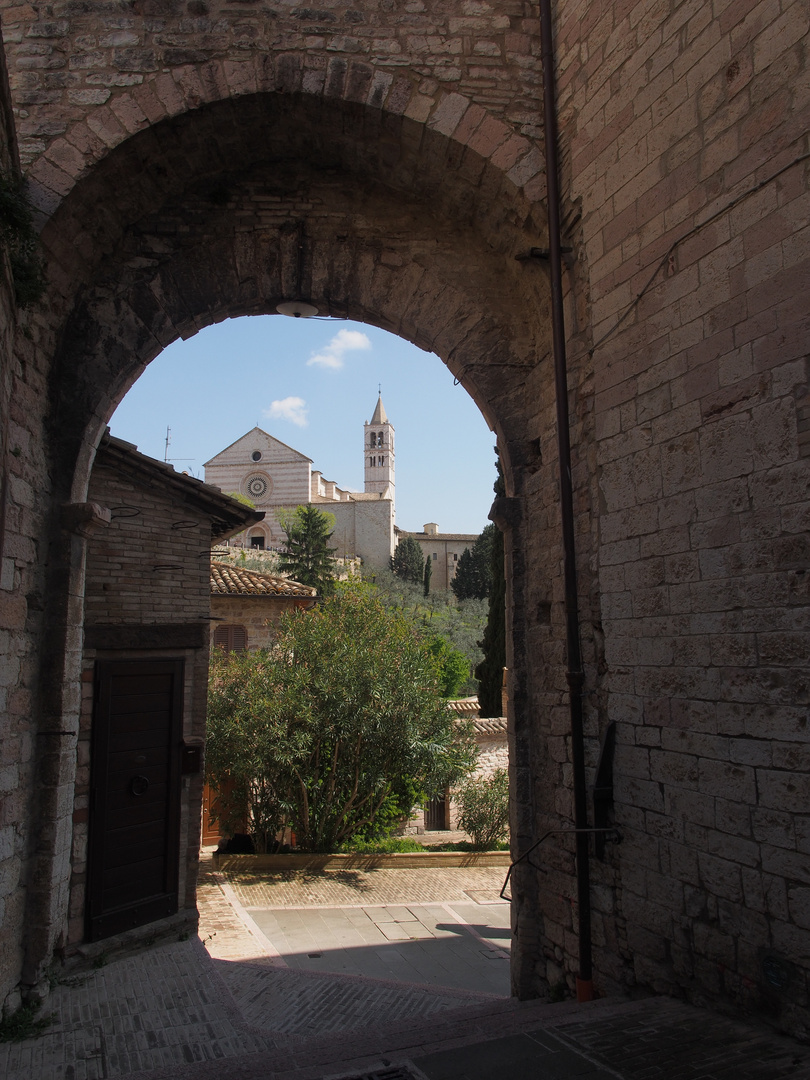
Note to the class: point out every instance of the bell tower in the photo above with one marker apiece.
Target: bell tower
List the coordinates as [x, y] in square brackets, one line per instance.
[379, 453]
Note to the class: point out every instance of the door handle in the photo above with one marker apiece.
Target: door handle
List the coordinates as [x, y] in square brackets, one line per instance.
[139, 785]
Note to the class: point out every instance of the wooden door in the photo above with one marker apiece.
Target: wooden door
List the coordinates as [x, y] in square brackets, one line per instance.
[135, 794]
[436, 813]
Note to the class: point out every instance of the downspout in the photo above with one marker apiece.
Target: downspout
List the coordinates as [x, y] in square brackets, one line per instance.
[574, 671]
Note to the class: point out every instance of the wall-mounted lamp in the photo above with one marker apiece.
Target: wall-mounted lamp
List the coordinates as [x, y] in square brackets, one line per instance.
[296, 309]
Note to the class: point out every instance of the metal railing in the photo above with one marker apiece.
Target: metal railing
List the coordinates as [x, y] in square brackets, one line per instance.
[552, 832]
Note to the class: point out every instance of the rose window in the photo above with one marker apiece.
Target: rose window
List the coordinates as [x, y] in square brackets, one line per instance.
[256, 486]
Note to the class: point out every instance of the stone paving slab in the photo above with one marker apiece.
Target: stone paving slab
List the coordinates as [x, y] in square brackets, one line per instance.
[304, 1003]
[670, 1040]
[463, 946]
[172, 1013]
[518, 1057]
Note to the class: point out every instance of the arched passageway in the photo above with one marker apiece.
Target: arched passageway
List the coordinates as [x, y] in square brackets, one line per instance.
[233, 208]
[192, 161]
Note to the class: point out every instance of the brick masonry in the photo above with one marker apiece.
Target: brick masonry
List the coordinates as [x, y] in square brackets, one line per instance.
[173, 151]
[139, 575]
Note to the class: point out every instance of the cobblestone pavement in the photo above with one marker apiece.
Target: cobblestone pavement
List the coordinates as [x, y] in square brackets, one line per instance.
[175, 1011]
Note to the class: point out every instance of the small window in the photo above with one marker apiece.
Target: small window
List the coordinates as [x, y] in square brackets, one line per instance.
[256, 455]
[455, 558]
[373, 442]
[230, 638]
[381, 461]
[380, 439]
[371, 462]
[434, 556]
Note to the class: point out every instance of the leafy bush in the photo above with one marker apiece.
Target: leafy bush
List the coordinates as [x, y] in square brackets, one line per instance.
[24, 1024]
[484, 803]
[392, 844]
[341, 722]
[467, 845]
[452, 666]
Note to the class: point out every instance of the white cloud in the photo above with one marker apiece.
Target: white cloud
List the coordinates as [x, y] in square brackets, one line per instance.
[289, 408]
[331, 356]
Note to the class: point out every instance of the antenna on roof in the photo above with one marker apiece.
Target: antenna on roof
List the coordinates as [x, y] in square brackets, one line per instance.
[166, 457]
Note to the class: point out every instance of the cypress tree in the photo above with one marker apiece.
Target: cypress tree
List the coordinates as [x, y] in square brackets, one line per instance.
[473, 577]
[406, 561]
[490, 671]
[428, 575]
[307, 556]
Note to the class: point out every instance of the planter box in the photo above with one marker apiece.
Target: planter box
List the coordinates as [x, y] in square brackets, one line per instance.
[410, 860]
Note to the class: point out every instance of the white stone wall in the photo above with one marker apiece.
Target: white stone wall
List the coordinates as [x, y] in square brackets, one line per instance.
[365, 529]
[285, 472]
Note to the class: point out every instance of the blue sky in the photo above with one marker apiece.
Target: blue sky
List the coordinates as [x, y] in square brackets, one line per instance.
[313, 383]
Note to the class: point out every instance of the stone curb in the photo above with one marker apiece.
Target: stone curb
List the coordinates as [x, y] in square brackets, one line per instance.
[246, 864]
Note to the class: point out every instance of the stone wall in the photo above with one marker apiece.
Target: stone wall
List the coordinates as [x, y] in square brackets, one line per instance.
[139, 570]
[179, 156]
[15, 734]
[260, 615]
[364, 529]
[444, 550]
[685, 156]
[144, 579]
[492, 751]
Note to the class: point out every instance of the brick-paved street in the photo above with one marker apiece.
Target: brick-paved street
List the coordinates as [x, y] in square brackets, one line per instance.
[234, 1012]
[349, 888]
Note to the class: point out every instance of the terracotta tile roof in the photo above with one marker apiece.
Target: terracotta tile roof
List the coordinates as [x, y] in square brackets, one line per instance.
[232, 581]
[467, 709]
[228, 516]
[464, 706]
[493, 725]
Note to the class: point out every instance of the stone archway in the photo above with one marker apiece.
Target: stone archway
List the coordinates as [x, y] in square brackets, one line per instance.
[235, 206]
[684, 164]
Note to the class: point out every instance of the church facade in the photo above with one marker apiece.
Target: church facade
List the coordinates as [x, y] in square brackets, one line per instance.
[276, 477]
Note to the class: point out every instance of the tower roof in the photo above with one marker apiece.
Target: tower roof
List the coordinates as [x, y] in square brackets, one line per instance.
[379, 416]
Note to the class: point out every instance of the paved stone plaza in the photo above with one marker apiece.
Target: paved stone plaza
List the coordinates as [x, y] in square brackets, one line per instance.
[244, 1007]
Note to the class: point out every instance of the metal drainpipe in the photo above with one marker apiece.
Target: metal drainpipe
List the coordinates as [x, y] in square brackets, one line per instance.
[574, 673]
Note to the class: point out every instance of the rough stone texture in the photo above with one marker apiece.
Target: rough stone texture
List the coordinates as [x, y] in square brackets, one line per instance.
[684, 128]
[15, 731]
[176, 152]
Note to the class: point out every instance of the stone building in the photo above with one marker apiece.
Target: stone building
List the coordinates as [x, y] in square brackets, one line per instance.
[274, 476]
[138, 783]
[492, 750]
[443, 549]
[396, 164]
[246, 606]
